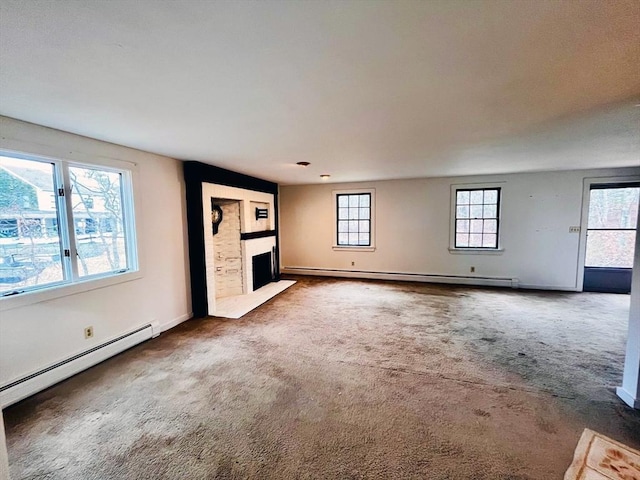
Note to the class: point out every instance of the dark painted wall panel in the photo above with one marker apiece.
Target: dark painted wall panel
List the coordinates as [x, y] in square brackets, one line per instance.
[607, 280]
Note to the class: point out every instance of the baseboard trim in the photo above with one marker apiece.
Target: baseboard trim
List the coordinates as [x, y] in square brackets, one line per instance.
[31, 384]
[175, 322]
[558, 288]
[28, 385]
[627, 398]
[409, 277]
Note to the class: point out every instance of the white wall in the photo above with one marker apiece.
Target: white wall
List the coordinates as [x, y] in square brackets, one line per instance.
[35, 336]
[413, 224]
[630, 389]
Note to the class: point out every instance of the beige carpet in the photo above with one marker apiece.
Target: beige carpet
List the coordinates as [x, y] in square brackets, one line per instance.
[344, 379]
[600, 458]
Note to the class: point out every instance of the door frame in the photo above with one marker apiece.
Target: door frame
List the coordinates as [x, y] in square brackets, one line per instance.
[584, 217]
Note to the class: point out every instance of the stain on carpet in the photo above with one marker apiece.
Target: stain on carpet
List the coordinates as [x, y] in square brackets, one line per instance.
[344, 379]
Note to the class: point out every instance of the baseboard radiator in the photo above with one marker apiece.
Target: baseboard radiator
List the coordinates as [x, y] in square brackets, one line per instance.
[26, 386]
[410, 277]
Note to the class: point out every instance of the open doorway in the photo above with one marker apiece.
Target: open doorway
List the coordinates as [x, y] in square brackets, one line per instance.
[611, 233]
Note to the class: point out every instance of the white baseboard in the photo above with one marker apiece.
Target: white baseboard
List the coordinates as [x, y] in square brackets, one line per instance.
[409, 277]
[175, 322]
[27, 386]
[627, 398]
[560, 288]
[30, 384]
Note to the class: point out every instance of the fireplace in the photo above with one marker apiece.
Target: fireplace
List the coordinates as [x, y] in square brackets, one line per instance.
[262, 271]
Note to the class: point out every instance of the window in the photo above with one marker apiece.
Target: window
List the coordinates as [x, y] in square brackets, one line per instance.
[611, 226]
[86, 232]
[354, 219]
[477, 218]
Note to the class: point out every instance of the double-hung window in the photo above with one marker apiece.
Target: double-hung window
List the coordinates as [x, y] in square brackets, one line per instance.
[62, 223]
[354, 221]
[477, 218]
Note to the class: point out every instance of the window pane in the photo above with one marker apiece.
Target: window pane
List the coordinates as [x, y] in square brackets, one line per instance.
[97, 200]
[462, 226]
[29, 238]
[614, 207]
[489, 240]
[476, 211]
[490, 211]
[490, 226]
[356, 210]
[476, 196]
[491, 196]
[475, 240]
[462, 240]
[476, 226]
[462, 197]
[610, 248]
[463, 212]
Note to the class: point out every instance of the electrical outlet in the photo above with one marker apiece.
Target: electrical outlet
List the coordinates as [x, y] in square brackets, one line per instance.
[88, 332]
[472, 269]
[574, 229]
[353, 264]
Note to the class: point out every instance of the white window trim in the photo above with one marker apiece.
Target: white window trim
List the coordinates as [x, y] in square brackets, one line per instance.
[354, 248]
[452, 219]
[79, 285]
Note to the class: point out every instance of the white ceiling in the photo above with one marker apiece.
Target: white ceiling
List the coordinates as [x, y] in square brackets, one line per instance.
[363, 90]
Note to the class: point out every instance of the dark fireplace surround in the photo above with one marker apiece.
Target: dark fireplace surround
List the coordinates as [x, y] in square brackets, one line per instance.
[195, 173]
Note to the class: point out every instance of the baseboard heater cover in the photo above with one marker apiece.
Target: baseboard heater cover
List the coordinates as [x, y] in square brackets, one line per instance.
[26, 386]
[410, 277]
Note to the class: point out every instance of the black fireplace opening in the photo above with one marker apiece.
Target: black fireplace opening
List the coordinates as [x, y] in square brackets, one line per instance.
[262, 272]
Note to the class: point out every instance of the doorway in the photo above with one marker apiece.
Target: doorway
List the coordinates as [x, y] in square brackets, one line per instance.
[611, 233]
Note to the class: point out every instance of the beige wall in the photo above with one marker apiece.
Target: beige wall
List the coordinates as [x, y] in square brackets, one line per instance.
[413, 224]
[38, 335]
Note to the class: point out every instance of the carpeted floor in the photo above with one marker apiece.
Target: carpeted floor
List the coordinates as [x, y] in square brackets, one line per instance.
[344, 379]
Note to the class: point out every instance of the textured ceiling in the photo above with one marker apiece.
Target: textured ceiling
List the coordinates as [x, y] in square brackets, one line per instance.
[362, 90]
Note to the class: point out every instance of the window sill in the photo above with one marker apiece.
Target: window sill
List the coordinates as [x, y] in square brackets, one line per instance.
[476, 251]
[355, 248]
[58, 291]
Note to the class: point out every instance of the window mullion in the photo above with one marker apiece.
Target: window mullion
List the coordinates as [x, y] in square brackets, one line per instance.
[63, 221]
[70, 224]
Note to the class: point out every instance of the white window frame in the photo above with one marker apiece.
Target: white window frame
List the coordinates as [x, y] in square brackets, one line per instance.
[73, 283]
[372, 233]
[452, 216]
